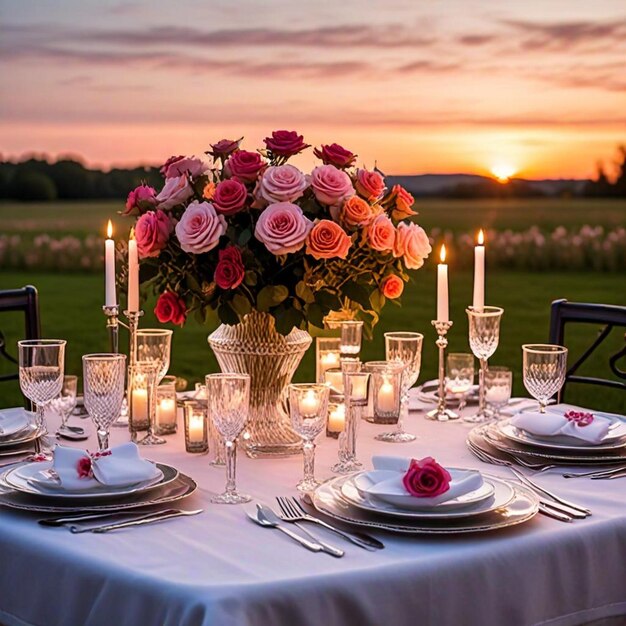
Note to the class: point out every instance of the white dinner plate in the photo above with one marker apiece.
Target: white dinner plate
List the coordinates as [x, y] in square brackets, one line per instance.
[614, 439]
[524, 505]
[18, 478]
[29, 431]
[498, 494]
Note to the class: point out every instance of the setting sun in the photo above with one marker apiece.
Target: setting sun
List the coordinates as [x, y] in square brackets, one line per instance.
[503, 172]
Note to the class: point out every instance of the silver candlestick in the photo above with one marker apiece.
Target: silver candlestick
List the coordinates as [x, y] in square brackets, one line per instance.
[441, 413]
[112, 313]
[133, 325]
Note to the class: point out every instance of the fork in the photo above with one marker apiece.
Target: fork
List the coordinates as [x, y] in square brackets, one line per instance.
[292, 511]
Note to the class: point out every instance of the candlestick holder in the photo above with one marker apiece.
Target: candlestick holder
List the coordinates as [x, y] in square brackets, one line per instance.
[112, 313]
[133, 325]
[442, 413]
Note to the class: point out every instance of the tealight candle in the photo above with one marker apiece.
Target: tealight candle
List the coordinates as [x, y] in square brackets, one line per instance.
[309, 403]
[166, 406]
[336, 419]
[196, 428]
[358, 387]
[139, 403]
[196, 431]
[386, 397]
[334, 378]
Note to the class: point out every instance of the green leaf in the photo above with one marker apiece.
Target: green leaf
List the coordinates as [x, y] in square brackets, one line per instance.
[241, 305]
[227, 314]
[244, 236]
[271, 296]
[304, 292]
[251, 279]
[315, 315]
[357, 293]
[192, 282]
[286, 319]
[328, 300]
[199, 316]
[377, 300]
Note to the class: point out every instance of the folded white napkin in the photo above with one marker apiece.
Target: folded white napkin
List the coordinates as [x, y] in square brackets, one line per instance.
[561, 409]
[553, 423]
[12, 421]
[122, 467]
[387, 485]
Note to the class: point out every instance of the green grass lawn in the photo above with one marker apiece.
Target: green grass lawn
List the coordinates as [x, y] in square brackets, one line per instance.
[71, 309]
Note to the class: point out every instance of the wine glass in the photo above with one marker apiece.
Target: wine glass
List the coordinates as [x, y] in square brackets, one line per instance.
[229, 403]
[154, 344]
[459, 376]
[404, 348]
[65, 402]
[498, 386]
[308, 407]
[41, 366]
[103, 383]
[544, 369]
[484, 336]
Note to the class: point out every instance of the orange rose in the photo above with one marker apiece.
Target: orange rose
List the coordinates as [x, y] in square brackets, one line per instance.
[328, 240]
[381, 234]
[209, 191]
[392, 286]
[357, 212]
[403, 203]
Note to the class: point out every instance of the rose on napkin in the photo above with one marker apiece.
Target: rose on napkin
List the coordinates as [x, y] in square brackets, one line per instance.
[425, 478]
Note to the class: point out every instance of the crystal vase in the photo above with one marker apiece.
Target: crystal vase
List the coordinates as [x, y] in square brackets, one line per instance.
[255, 347]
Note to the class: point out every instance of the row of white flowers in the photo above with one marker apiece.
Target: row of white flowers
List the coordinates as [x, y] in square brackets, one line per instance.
[590, 247]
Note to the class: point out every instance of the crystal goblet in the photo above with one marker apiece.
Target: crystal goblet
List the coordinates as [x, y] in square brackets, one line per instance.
[154, 344]
[544, 369]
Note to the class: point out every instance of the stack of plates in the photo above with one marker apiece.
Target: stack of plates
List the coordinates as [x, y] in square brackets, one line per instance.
[18, 431]
[496, 504]
[557, 449]
[429, 393]
[31, 487]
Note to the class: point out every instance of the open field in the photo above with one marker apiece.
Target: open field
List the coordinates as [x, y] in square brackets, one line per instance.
[71, 309]
[89, 218]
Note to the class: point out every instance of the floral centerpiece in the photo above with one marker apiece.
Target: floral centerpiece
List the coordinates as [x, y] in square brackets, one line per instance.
[247, 236]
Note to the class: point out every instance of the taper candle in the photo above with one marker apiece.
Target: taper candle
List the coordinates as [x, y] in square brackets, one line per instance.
[442, 288]
[110, 298]
[479, 273]
[133, 274]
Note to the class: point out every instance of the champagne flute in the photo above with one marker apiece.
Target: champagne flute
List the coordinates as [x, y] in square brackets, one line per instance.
[544, 370]
[229, 403]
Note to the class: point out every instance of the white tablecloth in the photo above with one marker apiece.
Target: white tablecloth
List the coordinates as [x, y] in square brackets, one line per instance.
[218, 568]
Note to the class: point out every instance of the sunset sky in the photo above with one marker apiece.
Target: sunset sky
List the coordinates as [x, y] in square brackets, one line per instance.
[420, 86]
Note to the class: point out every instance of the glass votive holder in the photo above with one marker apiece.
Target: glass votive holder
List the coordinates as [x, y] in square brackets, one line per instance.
[385, 390]
[166, 406]
[334, 379]
[327, 356]
[351, 336]
[200, 392]
[498, 387]
[140, 398]
[336, 422]
[196, 435]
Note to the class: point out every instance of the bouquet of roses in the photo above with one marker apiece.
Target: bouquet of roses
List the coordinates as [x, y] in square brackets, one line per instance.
[247, 231]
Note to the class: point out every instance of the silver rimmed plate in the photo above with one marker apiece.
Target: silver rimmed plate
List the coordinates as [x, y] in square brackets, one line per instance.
[498, 494]
[182, 487]
[18, 478]
[328, 501]
[614, 439]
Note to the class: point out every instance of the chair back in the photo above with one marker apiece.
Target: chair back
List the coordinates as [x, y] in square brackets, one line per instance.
[26, 301]
[607, 317]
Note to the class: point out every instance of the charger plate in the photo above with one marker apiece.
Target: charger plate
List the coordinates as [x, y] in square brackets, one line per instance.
[327, 500]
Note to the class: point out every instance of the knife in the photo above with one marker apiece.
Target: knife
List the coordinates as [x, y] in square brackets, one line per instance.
[147, 519]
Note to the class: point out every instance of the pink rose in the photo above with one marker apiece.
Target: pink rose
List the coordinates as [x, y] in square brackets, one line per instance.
[142, 198]
[230, 271]
[381, 235]
[224, 147]
[357, 212]
[152, 231]
[392, 286]
[283, 228]
[285, 143]
[327, 240]
[170, 308]
[229, 196]
[83, 467]
[170, 161]
[330, 185]
[403, 203]
[370, 185]
[426, 478]
[244, 165]
[336, 155]
[176, 191]
[412, 245]
[200, 228]
[282, 183]
[185, 166]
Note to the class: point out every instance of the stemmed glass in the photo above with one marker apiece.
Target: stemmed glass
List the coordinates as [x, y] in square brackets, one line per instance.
[65, 402]
[484, 335]
[144, 375]
[41, 366]
[498, 386]
[459, 376]
[154, 344]
[103, 386]
[404, 348]
[308, 407]
[229, 403]
[544, 370]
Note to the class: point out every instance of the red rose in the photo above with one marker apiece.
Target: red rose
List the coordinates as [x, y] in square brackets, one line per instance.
[229, 196]
[230, 270]
[285, 143]
[336, 155]
[426, 478]
[244, 165]
[224, 147]
[170, 308]
[83, 467]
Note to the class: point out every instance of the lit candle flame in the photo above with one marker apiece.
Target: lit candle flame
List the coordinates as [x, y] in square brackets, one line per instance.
[109, 230]
[442, 253]
[481, 237]
[132, 233]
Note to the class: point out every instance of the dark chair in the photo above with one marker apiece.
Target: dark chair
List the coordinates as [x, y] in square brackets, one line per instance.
[26, 301]
[607, 317]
